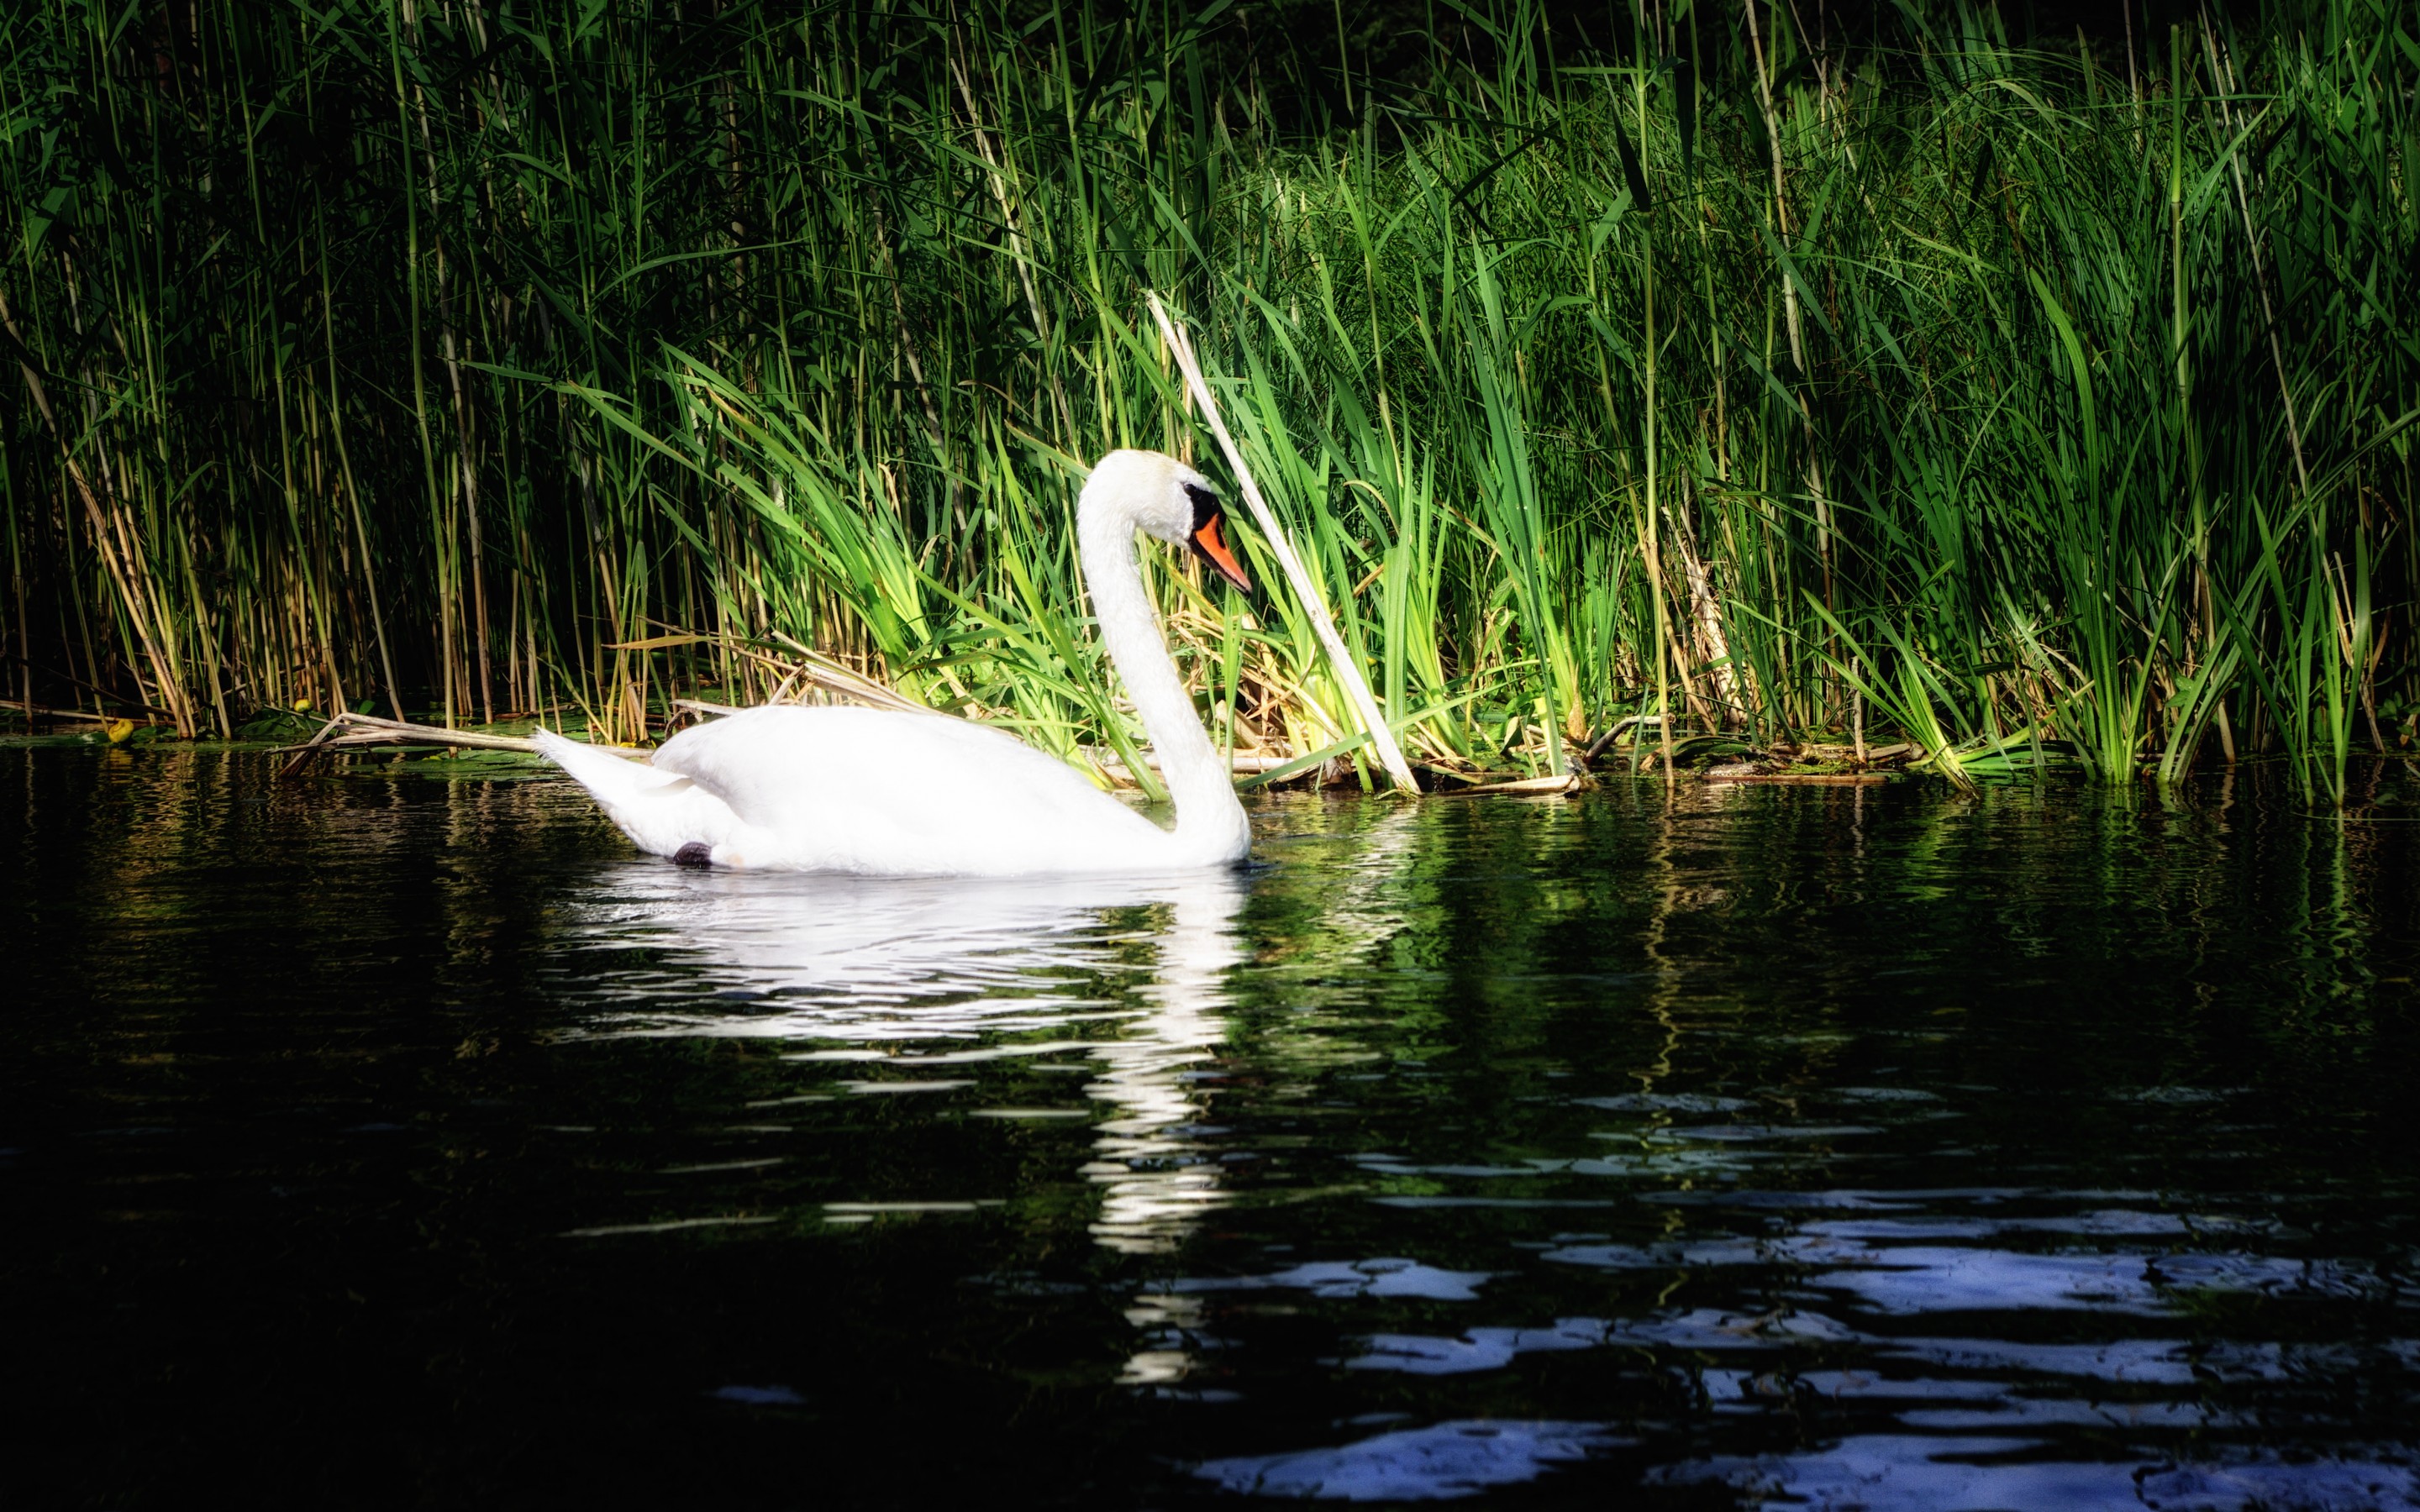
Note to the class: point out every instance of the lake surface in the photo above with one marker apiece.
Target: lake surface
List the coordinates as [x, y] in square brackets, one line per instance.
[394, 1136]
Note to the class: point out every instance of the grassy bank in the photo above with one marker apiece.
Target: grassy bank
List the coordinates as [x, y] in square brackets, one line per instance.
[2037, 400]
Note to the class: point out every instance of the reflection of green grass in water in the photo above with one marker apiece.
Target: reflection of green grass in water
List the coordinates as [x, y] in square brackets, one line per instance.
[1937, 385]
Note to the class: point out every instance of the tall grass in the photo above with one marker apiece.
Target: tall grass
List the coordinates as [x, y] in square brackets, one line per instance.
[2041, 399]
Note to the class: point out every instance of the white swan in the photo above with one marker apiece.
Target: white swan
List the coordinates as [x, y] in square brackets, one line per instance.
[877, 793]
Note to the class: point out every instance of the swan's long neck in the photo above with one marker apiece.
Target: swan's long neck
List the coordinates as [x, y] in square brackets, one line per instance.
[1208, 817]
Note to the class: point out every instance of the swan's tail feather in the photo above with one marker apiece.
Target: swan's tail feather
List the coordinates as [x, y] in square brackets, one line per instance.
[599, 771]
[660, 811]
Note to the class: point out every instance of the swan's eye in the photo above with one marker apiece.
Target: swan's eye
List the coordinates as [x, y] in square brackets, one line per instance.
[1205, 507]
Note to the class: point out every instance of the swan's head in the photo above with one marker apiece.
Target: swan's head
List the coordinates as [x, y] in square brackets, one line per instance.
[1159, 496]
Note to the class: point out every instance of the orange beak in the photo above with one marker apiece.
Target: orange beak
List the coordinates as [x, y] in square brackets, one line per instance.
[1210, 544]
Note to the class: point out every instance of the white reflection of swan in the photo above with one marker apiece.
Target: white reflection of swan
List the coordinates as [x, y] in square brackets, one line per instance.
[805, 956]
[1156, 1184]
[896, 963]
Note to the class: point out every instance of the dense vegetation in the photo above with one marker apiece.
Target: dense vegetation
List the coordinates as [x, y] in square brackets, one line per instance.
[2041, 398]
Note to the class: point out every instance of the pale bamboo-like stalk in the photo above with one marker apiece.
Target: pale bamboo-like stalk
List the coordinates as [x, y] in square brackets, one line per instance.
[1357, 687]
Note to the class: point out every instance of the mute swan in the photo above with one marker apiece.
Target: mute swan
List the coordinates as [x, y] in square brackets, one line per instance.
[879, 793]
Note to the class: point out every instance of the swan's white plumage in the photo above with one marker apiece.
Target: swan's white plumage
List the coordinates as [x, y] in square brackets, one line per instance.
[866, 790]
[879, 793]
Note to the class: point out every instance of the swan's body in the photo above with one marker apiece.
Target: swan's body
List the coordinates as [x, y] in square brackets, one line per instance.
[877, 793]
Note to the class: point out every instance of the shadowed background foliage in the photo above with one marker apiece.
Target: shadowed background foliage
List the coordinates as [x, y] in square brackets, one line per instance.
[2028, 386]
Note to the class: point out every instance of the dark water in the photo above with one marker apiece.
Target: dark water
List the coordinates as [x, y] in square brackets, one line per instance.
[381, 1139]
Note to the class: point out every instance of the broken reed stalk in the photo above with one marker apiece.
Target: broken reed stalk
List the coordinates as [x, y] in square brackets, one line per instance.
[1535, 787]
[802, 664]
[1357, 687]
[36, 711]
[349, 730]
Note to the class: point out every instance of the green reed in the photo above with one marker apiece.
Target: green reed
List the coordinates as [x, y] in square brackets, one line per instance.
[2029, 400]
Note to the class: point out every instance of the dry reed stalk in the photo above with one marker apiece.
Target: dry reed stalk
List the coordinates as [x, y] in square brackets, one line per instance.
[1347, 670]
